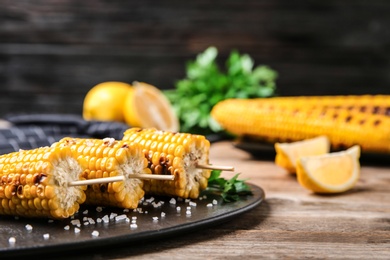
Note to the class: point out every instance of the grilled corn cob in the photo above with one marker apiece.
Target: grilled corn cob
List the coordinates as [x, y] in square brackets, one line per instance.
[344, 128]
[176, 154]
[34, 183]
[107, 157]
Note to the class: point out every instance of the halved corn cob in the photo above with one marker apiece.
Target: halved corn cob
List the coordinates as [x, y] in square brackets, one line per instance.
[176, 154]
[34, 183]
[107, 157]
[344, 128]
[370, 104]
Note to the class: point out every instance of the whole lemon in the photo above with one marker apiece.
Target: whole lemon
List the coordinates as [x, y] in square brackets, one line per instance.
[105, 101]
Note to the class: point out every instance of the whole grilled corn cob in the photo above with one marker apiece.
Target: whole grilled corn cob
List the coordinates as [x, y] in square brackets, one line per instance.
[176, 154]
[344, 128]
[34, 183]
[107, 157]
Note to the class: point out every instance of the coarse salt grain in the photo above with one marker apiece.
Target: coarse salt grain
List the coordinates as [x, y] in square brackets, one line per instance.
[120, 217]
[67, 227]
[133, 226]
[46, 236]
[106, 219]
[95, 233]
[76, 230]
[75, 222]
[155, 218]
[163, 214]
[99, 209]
[85, 212]
[178, 209]
[193, 204]
[172, 201]
[50, 221]
[188, 212]
[12, 240]
[215, 202]
[29, 227]
[209, 205]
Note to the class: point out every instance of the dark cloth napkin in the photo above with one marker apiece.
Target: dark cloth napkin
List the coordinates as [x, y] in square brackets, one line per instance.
[28, 131]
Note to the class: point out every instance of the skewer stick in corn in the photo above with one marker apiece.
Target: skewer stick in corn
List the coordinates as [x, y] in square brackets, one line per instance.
[344, 128]
[120, 178]
[214, 167]
[175, 154]
[33, 183]
[103, 158]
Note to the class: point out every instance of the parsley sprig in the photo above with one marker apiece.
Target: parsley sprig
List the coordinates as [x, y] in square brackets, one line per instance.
[229, 189]
[206, 83]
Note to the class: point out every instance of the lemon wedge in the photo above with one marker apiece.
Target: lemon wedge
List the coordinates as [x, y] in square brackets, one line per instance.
[330, 173]
[287, 154]
[146, 106]
[105, 101]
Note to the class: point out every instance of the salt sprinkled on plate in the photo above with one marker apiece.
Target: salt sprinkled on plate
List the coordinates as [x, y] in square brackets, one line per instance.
[133, 225]
[12, 240]
[28, 227]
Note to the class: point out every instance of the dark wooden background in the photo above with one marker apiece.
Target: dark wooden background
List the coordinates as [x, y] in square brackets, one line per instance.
[53, 52]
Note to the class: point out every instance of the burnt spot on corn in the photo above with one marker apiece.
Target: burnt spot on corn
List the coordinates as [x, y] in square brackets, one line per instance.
[103, 187]
[377, 122]
[38, 178]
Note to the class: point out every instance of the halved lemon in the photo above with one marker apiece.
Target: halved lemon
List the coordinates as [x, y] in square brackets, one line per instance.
[146, 106]
[105, 101]
[287, 154]
[330, 173]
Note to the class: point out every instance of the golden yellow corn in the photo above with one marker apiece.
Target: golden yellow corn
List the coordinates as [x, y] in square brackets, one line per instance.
[175, 154]
[34, 183]
[344, 128]
[107, 157]
[370, 104]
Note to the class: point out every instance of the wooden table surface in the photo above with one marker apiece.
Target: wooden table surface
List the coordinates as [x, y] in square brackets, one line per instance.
[292, 223]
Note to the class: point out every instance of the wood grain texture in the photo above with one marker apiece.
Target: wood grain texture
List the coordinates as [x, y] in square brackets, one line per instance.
[292, 223]
[53, 52]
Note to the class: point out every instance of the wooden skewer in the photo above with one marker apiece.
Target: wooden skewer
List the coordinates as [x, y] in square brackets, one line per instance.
[120, 178]
[215, 167]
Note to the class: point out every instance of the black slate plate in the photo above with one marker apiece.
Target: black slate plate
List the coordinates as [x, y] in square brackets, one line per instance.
[149, 220]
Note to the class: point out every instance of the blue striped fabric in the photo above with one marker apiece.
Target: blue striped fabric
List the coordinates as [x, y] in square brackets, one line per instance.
[30, 131]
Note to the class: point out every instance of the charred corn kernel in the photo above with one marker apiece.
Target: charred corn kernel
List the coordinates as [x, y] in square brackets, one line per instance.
[175, 154]
[370, 104]
[35, 193]
[107, 157]
[344, 128]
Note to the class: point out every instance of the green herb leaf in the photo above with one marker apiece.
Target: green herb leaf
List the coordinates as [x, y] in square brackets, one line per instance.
[230, 190]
